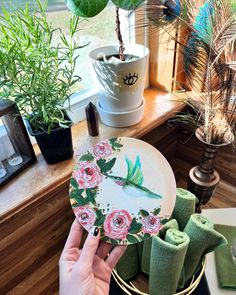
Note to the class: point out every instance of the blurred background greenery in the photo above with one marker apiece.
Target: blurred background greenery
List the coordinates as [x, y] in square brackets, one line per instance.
[97, 31]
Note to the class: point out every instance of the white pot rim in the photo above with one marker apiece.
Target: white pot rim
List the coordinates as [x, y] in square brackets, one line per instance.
[133, 49]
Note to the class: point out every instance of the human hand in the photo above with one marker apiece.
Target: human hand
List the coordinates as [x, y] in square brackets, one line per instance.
[87, 271]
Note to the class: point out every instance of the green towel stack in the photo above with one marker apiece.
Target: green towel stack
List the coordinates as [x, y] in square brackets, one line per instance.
[226, 270]
[140, 251]
[184, 207]
[203, 239]
[147, 245]
[167, 261]
[128, 265]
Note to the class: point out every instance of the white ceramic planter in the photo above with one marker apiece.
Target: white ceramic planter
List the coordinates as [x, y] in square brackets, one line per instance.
[121, 119]
[120, 84]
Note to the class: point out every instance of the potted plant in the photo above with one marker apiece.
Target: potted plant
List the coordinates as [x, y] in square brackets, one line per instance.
[120, 70]
[38, 75]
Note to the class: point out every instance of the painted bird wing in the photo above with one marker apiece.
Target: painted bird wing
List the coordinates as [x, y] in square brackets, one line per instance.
[134, 173]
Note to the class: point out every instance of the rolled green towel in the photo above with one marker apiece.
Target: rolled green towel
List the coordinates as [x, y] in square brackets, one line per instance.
[147, 245]
[203, 239]
[225, 269]
[167, 258]
[184, 207]
[128, 265]
[140, 251]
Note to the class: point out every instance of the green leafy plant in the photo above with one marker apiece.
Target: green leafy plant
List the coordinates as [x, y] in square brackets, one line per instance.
[34, 72]
[85, 8]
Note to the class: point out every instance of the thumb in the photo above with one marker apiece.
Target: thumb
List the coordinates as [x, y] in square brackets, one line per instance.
[89, 249]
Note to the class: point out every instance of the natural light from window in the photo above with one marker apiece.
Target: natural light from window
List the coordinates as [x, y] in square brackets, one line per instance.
[97, 31]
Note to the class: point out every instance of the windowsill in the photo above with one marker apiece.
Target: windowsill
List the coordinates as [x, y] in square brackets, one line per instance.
[41, 178]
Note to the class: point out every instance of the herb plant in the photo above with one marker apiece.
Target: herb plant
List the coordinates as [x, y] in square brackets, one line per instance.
[35, 73]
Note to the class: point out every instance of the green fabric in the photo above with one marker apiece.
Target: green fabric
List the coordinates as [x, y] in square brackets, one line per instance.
[128, 265]
[203, 239]
[140, 251]
[145, 265]
[147, 245]
[167, 258]
[225, 269]
[184, 207]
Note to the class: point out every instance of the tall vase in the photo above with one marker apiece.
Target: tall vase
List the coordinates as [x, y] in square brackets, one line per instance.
[203, 179]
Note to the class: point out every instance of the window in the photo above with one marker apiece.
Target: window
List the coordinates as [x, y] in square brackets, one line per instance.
[97, 31]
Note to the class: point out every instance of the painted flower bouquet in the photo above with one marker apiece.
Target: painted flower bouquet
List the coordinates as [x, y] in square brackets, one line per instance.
[93, 177]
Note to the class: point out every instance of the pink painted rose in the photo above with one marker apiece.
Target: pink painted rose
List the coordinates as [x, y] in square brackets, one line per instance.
[151, 224]
[117, 224]
[102, 150]
[86, 216]
[87, 175]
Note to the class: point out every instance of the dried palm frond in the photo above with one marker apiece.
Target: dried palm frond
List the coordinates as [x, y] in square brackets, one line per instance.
[209, 60]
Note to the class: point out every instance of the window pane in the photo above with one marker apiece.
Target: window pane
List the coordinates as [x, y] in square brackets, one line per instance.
[97, 31]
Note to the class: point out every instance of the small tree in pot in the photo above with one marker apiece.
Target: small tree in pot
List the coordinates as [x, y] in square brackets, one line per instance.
[38, 76]
[120, 70]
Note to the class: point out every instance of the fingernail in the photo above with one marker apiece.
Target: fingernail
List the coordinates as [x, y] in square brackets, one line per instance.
[94, 231]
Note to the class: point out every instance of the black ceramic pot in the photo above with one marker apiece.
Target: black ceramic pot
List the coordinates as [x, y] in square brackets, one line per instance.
[56, 146]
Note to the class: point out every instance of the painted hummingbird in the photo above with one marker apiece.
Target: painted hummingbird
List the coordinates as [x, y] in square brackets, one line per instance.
[132, 184]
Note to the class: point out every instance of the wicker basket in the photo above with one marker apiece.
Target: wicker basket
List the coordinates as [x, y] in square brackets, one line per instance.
[130, 289]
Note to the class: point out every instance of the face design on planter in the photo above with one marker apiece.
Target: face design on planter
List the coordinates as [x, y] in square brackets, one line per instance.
[125, 187]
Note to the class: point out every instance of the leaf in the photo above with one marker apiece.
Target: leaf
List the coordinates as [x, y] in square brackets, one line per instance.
[164, 221]
[80, 200]
[115, 143]
[74, 183]
[100, 218]
[91, 194]
[106, 166]
[144, 213]
[132, 239]
[156, 211]
[86, 8]
[87, 157]
[135, 227]
[127, 5]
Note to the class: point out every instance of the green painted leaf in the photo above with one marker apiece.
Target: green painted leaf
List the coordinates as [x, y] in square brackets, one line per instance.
[110, 164]
[156, 211]
[113, 140]
[74, 183]
[132, 239]
[86, 8]
[164, 221]
[100, 218]
[78, 197]
[135, 227]
[87, 157]
[115, 144]
[144, 213]
[127, 4]
[101, 163]
[106, 166]
[91, 194]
